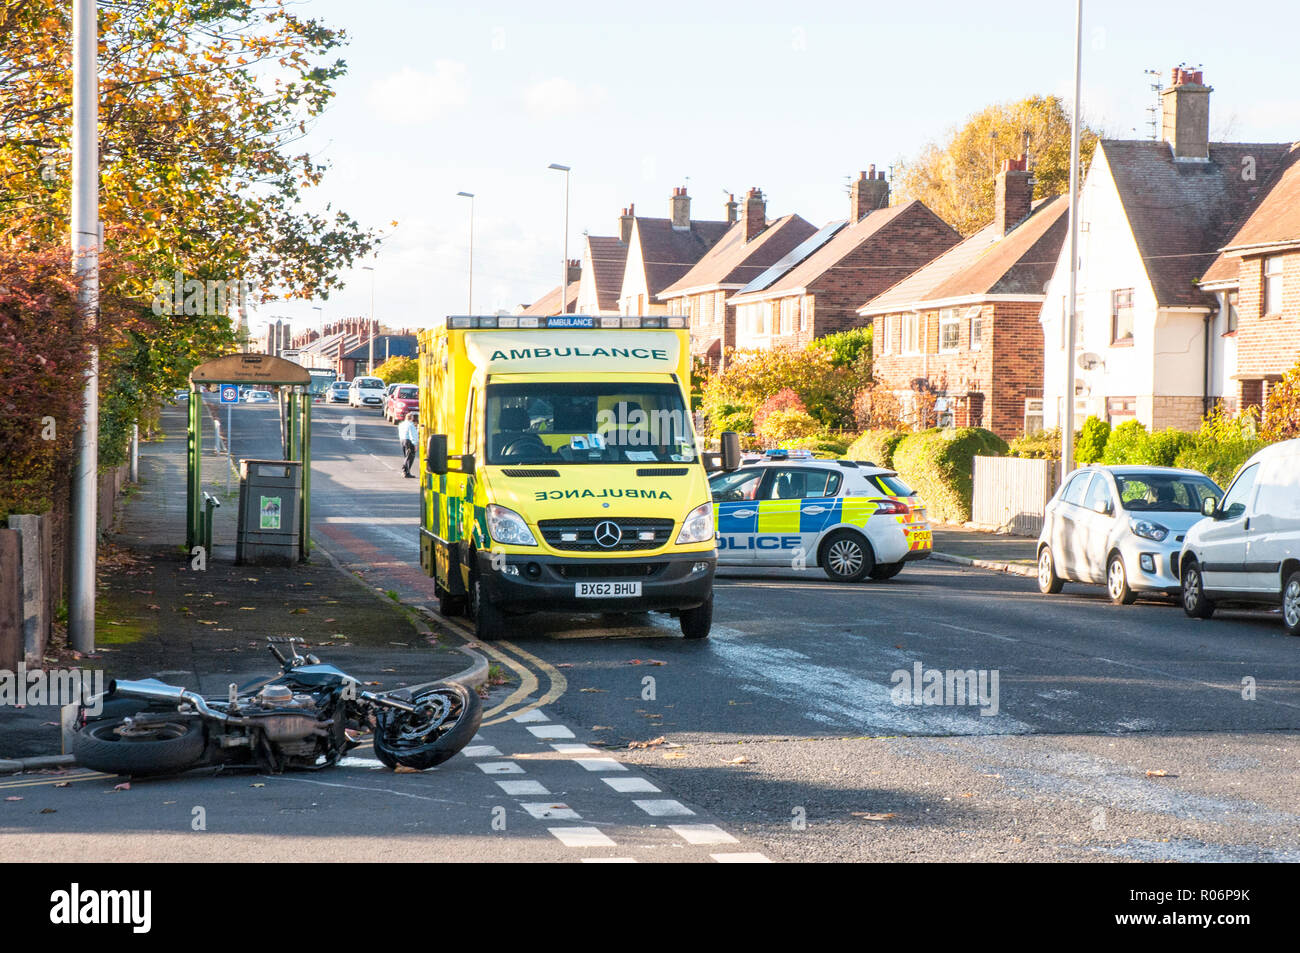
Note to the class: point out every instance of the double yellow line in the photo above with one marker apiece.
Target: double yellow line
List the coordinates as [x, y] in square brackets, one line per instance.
[528, 668]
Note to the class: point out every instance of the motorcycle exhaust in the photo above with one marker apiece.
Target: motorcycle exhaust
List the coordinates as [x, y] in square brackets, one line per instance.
[151, 689]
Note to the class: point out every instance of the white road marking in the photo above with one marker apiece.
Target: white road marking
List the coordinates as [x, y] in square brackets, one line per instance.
[499, 767]
[664, 808]
[581, 837]
[702, 834]
[631, 785]
[546, 811]
[601, 764]
[991, 635]
[480, 751]
[550, 731]
[577, 750]
[740, 858]
[535, 715]
[522, 787]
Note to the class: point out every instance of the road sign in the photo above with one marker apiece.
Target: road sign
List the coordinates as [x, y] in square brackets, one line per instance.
[229, 394]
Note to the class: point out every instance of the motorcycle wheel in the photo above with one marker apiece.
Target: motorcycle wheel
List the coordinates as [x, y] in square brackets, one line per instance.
[450, 715]
[108, 745]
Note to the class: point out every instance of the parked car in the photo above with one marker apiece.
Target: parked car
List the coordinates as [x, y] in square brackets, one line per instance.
[852, 519]
[402, 399]
[1121, 527]
[366, 392]
[338, 392]
[257, 397]
[1248, 550]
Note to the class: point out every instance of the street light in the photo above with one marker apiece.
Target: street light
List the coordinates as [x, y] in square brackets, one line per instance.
[317, 307]
[370, 332]
[1071, 320]
[564, 277]
[470, 196]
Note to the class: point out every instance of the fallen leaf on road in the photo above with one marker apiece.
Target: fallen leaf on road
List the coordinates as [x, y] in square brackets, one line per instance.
[634, 661]
[49, 724]
[602, 728]
[564, 665]
[257, 785]
[124, 786]
[404, 769]
[669, 755]
[740, 759]
[329, 620]
[868, 816]
[298, 611]
[1160, 773]
[13, 799]
[151, 606]
[655, 661]
[48, 810]
[593, 690]
[247, 608]
[221, 603]
[61, 784]
[652, 743]
[204, 622]
[968, 794]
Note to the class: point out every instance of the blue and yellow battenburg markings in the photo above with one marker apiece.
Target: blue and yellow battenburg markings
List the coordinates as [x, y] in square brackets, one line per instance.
[778, 520]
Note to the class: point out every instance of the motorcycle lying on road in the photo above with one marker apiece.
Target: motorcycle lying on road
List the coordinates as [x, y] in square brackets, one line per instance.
[305, 718]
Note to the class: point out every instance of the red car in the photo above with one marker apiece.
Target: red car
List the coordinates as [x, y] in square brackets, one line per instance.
[404, 399]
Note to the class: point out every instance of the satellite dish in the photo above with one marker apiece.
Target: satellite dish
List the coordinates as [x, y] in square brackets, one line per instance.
[1087, 361]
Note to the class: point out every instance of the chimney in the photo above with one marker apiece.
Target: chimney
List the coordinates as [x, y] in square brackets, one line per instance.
[625, 224]
[1013, 194]
[868, 193]
[1185, 116]
[754, 215]
[681, 209]
[731, 210]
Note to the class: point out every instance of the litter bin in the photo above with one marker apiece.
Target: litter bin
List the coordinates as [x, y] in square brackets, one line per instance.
[268, 512]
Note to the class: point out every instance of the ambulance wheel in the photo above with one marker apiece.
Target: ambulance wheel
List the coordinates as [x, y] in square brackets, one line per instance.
[489, 621]
[696, 622]
[846, 556]
[886, 571]
[449, 605]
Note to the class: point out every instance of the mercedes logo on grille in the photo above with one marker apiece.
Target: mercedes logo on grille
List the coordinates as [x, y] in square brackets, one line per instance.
[608, 534]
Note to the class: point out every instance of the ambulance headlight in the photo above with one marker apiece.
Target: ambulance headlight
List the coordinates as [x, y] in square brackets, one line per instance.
[507, 526]
[698, 525]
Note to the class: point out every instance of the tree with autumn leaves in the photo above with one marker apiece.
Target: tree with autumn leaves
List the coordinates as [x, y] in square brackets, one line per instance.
[203, 104]
[954, 177]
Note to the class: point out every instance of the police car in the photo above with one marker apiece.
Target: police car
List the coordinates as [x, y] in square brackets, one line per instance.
[851, 518]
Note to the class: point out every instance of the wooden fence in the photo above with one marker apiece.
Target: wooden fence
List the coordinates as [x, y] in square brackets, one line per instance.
[1011, 493]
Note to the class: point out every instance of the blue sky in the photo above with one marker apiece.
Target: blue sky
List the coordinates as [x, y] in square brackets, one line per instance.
[717, 96]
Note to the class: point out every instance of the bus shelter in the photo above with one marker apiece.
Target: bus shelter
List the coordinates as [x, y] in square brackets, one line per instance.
[263, 370]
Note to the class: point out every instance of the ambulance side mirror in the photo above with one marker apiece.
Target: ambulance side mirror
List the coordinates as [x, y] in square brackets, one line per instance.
[435, 453]
[730, 451]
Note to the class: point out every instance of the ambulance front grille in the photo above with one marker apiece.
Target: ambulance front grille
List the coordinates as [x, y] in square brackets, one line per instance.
[602, 571]
[581, 534]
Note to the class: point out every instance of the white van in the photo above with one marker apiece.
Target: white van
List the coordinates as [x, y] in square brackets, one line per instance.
[366, 392]
[1249, 548]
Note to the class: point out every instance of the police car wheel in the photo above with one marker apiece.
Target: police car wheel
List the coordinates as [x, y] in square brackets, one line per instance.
[846, 556]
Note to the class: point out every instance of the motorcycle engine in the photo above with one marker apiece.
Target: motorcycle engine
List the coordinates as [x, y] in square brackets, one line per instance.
[285, 717]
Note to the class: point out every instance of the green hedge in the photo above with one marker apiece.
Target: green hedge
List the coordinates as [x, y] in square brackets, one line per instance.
[878, 446]
[939, 465]
[822, 444]
[1090, 444]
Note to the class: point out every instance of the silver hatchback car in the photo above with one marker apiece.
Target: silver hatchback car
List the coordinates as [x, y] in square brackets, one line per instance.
[1122, 527]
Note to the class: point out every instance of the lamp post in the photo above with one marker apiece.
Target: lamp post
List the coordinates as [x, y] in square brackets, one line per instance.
[470, 196]
[85, 230]
[1071, 318]
[321, 316]
[370, 331]
[564, 269]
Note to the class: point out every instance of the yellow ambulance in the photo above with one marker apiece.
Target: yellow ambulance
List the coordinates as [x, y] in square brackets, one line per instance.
[560, 472]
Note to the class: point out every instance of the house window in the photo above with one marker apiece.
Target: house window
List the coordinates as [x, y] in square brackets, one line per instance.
[949, 331]
[1120, 409]
[1272, 291]
[1230, 303]
[803, 314]
[1033, 415]
[788, 311]
[943, 412]
[911, 334]
[1121, 316]
[976, 327]
[884, 334]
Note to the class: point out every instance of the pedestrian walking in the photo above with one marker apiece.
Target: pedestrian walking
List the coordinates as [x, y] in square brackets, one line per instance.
[408, 434]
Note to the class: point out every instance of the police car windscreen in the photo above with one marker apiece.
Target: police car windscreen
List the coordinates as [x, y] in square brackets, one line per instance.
[587, 422]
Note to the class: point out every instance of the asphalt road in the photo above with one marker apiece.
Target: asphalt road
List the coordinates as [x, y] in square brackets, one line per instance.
[1098, 732]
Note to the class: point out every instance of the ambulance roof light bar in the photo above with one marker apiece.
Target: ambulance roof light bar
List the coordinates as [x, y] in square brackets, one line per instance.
[563, 321]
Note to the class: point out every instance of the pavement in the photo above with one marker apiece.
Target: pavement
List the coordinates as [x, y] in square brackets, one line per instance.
[984, 549]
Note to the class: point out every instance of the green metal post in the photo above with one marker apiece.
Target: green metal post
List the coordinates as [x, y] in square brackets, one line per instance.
[193, 467]
[304, 523]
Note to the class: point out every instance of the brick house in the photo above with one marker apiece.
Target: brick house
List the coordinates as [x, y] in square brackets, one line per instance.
[661, 250]
[818, 288]
[1152, 343]
[964, 328]
[749, 247]
[1256, 283]
[549, 303]
[603, 260]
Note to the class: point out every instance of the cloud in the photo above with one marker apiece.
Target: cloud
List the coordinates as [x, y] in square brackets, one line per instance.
[411, 97]
[558, 96]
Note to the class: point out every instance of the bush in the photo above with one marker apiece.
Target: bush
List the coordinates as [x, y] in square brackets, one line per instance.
[1044, 445]
[822, 444]
[939, 465]
[877, 446]
[398, 370]
[752, 377]
[851, 348]
[1282, 411]
[1164, 446]
[1223, 443]
[784, 399]
[1127, 444]
[1090, 445]
[781, 426]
